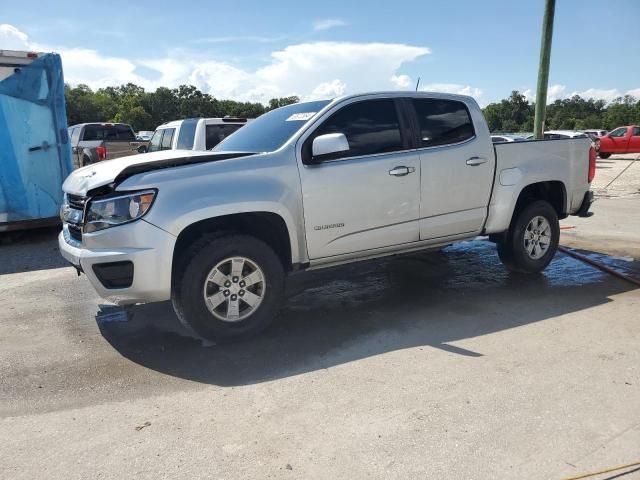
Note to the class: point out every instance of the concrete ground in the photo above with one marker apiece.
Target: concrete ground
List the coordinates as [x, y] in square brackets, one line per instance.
[426, 366]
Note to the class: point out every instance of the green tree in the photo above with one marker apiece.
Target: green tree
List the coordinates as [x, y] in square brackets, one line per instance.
[282, 101]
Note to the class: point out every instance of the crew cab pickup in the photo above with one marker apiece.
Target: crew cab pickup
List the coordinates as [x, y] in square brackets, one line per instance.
[620, 140]
[313, 185]
[94, 142]
[192, 134]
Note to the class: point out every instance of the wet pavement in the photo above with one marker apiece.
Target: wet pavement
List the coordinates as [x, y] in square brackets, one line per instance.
[432, 364]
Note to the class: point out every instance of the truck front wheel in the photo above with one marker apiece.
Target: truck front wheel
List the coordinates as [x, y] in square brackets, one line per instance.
[604, 155]
[229, 288]
[532, 239]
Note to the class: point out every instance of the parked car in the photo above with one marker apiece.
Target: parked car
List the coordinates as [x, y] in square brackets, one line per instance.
[314, 185]
[507, 138]
[597, 133]
[193, 133]
[620, 140]
[34, 147]
[94, 142]
[557, 134]
[144, 135]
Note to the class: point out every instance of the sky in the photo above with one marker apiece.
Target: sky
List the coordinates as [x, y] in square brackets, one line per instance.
[257, 50]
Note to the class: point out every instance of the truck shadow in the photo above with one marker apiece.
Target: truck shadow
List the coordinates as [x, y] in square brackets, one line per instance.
[366, 309]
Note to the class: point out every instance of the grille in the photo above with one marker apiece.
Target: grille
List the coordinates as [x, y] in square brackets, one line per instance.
[76, 201]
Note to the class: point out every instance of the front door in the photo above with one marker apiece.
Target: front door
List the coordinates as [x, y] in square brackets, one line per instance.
[619, 140]
[368, 197]
[457, 167]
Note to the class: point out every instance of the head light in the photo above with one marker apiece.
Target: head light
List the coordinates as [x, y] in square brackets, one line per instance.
[112, 211]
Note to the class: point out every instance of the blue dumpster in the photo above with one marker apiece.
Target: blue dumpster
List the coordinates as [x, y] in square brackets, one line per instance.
[35, 155]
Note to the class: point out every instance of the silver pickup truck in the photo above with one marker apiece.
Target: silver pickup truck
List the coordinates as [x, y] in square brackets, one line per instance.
[313, 185]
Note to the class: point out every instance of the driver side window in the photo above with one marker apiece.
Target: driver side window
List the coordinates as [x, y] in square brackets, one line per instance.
[618, 132]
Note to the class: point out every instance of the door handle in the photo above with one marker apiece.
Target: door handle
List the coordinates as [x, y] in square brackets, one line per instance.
[401, 171]
[475, 161]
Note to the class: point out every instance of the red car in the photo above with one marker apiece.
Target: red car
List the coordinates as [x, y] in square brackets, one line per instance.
[620, 140]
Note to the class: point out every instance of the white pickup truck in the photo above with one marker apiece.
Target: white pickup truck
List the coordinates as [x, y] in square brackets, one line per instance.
[192, 134]
[312, 185]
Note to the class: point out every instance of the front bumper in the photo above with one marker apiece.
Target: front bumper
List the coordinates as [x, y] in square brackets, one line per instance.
[147, 247]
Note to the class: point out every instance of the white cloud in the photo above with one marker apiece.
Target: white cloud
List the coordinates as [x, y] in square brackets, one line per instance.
[308, 70]
[598, 94]
[453, 88]
[13, 39]
[635, 92]
[401, 81]
[335, 88]
[558, 92]
[328, 23]
[554, 92]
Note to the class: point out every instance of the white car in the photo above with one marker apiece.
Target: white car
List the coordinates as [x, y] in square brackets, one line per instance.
[556, 134]
[507, 138]
[144, 135]
[596, 133]
[193, 133]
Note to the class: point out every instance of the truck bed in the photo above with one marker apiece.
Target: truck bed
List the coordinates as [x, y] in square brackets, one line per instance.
[565, 160]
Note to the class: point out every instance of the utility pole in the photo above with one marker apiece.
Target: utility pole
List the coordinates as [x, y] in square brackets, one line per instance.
[543, 70]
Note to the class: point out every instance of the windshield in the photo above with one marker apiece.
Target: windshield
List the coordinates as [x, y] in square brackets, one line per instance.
[271, 130]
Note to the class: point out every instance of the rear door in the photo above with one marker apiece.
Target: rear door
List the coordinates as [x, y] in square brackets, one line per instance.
[367, 197]
[456, 169]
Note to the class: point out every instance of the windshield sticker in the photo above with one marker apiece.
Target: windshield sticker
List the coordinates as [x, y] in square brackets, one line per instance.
[299, 117]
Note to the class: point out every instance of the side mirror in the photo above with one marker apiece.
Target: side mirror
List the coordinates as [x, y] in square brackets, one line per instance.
[142, 149]
[327, 146]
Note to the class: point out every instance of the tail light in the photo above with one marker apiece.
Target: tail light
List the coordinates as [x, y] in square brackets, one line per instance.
[592, 164]
[102, 153]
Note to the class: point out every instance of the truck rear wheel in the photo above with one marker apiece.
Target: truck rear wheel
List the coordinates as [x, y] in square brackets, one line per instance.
[229, 288]
[532, 239]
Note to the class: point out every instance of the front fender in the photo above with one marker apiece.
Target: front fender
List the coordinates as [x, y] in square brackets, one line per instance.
[187, 195]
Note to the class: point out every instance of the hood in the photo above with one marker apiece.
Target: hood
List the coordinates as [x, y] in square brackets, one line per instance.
[88, 178]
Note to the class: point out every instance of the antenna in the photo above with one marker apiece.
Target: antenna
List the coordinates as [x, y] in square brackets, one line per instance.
[417, 84]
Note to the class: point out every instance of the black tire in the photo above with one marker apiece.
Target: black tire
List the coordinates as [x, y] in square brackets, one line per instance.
[604, 155]
[512, 251]
[192, 272]
[85, 161]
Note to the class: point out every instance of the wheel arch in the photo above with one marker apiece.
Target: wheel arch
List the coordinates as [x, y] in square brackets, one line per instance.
[270, 227]
[552, 191]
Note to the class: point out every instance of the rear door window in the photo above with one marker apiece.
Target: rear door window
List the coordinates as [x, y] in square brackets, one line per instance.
[187, 134]
[92, 133]
[216, 133]
[443, 122]
[636, 131]
[167, 138]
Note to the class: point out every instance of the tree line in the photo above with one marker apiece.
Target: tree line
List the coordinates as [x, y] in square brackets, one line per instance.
[144, 110]
[515, 114]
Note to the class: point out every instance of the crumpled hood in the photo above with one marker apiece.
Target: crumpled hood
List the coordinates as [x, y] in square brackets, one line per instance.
[103, 173]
